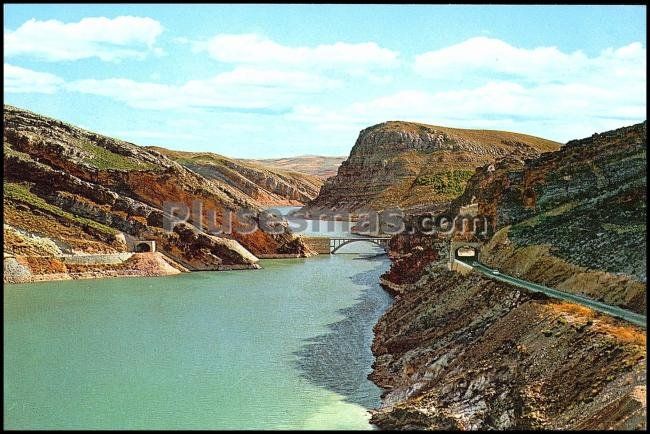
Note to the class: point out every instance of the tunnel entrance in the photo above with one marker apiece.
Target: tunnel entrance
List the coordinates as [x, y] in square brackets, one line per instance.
[144, 246]
[466, 254]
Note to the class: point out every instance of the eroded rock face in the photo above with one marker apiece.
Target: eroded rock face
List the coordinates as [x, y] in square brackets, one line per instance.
[406, 164]
[266, 186]
[82, 190]
[574, 219]
[466, 352]
[410, 256]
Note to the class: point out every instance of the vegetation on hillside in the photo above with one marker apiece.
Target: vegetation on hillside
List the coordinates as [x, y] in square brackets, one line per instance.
[103, 159]
[486, 137]
[446, 183]
[21, 193]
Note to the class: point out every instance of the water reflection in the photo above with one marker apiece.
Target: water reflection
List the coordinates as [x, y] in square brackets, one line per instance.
[340, 360]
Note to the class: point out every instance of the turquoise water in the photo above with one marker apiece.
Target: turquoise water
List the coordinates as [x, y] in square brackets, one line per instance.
[287, 346]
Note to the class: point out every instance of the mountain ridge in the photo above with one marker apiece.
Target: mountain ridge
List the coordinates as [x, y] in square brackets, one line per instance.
[407, 164]
[91, 194]
[266, 185]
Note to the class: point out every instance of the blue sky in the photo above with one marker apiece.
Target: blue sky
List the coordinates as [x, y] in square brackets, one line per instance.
[283, 80]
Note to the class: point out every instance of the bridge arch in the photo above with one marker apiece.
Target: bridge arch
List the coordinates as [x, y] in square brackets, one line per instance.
[336, 243]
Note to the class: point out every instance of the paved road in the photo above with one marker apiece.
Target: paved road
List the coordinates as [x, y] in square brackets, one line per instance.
[633, 317]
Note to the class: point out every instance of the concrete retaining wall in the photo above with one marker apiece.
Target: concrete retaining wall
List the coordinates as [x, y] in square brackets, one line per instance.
[460, 267]
[109, 258]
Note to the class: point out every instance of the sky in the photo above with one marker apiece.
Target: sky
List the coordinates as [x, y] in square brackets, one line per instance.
[264, 81]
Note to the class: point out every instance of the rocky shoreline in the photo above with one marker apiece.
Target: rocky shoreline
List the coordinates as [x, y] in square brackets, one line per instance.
[465, 352]
[29, 269]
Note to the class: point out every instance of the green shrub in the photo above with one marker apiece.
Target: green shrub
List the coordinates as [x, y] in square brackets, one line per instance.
[451, 182]
[102, 158]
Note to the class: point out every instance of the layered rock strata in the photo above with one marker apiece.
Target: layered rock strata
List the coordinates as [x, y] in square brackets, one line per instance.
[404, 164]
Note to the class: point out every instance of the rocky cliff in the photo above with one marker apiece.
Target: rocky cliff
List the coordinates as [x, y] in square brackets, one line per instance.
[466, 352]
[266, 185]
[408, 164]
[87, 193]
[574, 219]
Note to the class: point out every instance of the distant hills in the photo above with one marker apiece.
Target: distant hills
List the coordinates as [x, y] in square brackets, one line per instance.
[265, 183]
[320, 166]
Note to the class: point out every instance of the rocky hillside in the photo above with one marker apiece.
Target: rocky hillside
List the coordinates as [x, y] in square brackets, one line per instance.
[265, 184]
[465, 352]
[74, 191]
[409, 164]
[316, 165]
[574, 219]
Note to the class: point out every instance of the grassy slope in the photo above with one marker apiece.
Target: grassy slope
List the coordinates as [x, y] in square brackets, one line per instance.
[20, 193]
[104, 159]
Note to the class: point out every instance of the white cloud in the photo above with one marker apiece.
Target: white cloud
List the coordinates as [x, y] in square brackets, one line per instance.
[104, 38]
[555, 111]
[484, 57]
[256, 49]
[241, 88]
[22, 80]
[542, 91]
[483, 54]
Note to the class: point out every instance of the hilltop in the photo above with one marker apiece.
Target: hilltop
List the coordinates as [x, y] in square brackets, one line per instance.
[409, 164]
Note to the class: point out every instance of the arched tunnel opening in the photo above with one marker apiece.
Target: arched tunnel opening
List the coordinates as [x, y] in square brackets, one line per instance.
[142, 247]
[466, 254]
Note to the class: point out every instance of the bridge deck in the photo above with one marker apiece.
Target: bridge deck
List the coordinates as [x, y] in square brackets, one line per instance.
[337, 242]
[329, 245]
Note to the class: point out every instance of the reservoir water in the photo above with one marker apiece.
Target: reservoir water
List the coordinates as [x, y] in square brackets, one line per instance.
[287, 346]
